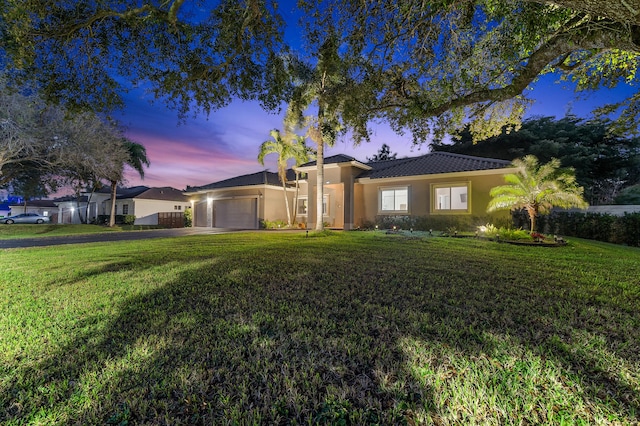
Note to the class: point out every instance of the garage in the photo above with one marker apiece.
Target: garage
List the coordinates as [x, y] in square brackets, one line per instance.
[241, 213]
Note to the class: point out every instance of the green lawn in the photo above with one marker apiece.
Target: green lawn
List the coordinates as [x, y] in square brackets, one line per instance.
[55, 230]
[339, 328]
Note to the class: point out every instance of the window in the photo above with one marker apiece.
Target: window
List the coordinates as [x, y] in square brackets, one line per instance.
[302, 206]
[451, 198]
[125, 209]
[177, 207]
[394, 200]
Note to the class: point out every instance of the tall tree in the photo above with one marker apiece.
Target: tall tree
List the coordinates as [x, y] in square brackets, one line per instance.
[287, 147]
[92, 152]
[334, 88]
[30, 180]
[28, 130]
[305, 154]
[537, 188]
[136, 158]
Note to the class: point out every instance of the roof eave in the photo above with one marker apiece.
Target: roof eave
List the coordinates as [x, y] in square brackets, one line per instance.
[229, 188]
[446, 175]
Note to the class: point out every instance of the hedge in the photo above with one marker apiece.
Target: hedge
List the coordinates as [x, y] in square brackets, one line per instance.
[462, 223]
[594, 226]
[121, 219]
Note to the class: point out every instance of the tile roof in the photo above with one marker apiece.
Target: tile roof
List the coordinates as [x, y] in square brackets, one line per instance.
[165, 194]
[72, 198]
[132, 192]
[36, 203]
[260, 178]
[334, 159]
[140, 192]
[432, 163]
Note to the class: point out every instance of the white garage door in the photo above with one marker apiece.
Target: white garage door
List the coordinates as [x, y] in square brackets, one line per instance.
[241, 213]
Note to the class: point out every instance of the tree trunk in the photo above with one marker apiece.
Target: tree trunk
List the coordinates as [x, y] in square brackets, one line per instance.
[86, 209]
[112, 215]
[320, 186]
[532, 218]
[320, 166]
[83, 221]
[295, 199]
[78, 192]
[286, 201]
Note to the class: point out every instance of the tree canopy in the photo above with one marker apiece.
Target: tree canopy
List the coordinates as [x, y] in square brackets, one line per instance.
[450, 63]
[86, 54]
[425, 67]
[44, 147]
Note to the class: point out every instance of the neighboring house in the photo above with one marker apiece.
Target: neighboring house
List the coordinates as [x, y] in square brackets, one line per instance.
[356, 193]
[70, 208]
[42, 207]
[145, 203]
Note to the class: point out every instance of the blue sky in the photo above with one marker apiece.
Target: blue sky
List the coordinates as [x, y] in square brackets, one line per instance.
[205, 149]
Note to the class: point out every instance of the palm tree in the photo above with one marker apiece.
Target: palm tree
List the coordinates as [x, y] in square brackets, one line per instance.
[304, 154]
[537, 188]
[287, 147]
[326, 86]
[137, 160]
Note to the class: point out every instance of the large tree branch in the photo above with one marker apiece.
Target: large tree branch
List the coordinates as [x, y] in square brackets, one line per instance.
[548, 54]
[141, 12]
[623, 11]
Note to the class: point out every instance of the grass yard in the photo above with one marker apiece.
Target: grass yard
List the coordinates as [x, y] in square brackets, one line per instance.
[52, 230]
[337, 328]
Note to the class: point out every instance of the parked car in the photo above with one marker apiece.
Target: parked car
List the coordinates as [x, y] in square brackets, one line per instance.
[25, 218]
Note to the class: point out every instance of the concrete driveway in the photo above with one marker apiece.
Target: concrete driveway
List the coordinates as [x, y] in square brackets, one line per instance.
[110, 236]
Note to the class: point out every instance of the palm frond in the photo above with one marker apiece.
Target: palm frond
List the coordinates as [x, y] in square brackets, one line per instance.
[537, 188]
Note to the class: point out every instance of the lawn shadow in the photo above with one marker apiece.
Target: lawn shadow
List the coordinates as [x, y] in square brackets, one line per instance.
[257, 337]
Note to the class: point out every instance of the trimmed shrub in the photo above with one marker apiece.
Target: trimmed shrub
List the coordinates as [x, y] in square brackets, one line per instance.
[593, 226]
[461, 223]
[103, 219]
[275, 224]
[188, 218]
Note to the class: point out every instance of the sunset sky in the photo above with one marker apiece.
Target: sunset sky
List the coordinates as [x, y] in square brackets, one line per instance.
[204, 149]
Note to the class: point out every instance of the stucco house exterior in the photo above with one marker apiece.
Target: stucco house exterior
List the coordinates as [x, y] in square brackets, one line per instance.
[355, 192]
[240, 202]
[70, 208]
[147, 203]
[141, 201]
